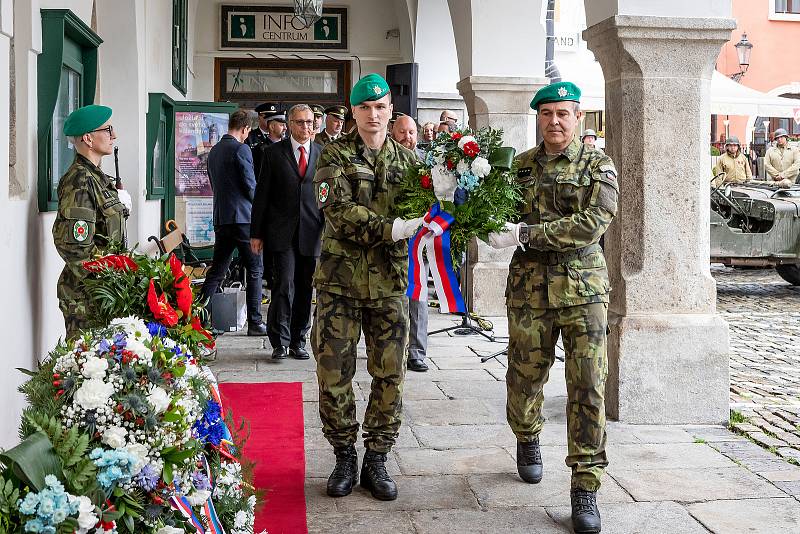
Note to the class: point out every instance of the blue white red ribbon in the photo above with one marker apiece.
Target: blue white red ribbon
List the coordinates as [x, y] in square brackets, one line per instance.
[182, 505]
[208, 510]
[432, 242]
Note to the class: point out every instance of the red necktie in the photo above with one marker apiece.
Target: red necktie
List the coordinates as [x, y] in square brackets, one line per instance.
[303, 163]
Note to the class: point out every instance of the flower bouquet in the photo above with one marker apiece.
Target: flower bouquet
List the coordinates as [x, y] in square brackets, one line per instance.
[464, 188]
[125, 431]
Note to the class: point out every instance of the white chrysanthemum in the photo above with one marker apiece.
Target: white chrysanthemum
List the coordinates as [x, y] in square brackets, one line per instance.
[158, 399]
[95, 367]
[93, 394]
[134, 327]
[138, 451]
[198, 497]
[140, 349]
[240, 520]
[66, 363]
[464, 140]
[481, 167]
[114, 437]
[87, 518]
[462, 167]
[444, 183]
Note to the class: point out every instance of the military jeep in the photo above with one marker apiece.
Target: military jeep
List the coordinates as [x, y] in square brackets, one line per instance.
[757, 224]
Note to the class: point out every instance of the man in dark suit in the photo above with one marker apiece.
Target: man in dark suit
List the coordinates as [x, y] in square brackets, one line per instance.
[287, 225]
[230, 169]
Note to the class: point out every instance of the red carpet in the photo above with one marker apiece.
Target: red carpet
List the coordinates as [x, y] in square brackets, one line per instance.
[275, 413]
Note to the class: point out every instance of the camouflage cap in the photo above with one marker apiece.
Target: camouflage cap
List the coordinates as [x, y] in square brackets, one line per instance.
[370, 87]
[86, 119]
[556, 92]
[340, 112]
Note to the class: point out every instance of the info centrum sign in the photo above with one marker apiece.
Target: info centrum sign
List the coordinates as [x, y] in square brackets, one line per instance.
[266, 26]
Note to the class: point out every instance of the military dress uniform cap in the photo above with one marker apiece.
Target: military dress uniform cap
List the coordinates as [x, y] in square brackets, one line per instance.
[279, 116]
[588, 133]
[733, 140]
[780, 132]
[370, 87]
[556, 92]
[317, 109]
[340, 112]
[267, 107]
[86, 119]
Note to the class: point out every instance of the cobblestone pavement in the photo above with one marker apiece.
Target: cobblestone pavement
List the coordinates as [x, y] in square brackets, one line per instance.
[763, 312]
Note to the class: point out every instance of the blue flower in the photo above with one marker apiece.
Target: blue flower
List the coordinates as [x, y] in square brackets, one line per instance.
[104, 346]
[116, 466]
[468, 181]
[157, 329]
[200, 481]
[147, 479]
[210, 428]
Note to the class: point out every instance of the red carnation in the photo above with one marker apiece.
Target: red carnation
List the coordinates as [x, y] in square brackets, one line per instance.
[183, 289]
[450, 165]
[455, 136]
[471, 149]
[160, 308]
[425, 181]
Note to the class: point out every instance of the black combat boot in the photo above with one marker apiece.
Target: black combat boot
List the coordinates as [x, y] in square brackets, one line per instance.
[585, 515]
[529, 461]
[375, 478]
[343, 478]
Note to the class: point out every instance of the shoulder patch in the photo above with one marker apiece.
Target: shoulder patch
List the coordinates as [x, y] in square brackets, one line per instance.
[323, 193]
[608, 169]
[80, 231]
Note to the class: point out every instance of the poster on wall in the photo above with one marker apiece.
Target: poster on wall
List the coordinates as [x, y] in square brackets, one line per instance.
[271, 26]
[200, 220]
[195, 134]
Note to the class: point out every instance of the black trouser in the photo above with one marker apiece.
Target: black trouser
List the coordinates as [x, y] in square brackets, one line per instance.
[289, 314]
[230, 237]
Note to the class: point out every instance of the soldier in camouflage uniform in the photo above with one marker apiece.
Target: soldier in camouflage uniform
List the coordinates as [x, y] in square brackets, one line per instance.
[361, 280]
[558, 283]
[90, 214]
[334, 121]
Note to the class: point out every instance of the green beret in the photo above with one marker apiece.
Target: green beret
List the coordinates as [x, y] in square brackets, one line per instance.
[370, 87]
[556, 92]
[86, 119]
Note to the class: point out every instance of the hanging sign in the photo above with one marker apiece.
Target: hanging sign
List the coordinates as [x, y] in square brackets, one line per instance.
[276, 27]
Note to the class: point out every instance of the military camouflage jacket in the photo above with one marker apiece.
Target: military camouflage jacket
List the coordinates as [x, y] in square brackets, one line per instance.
[357, 192]
[323, 138]
[569, 201]
[89, 214]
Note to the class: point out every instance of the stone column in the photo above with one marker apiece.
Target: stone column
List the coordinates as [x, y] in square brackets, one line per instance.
[668, 348]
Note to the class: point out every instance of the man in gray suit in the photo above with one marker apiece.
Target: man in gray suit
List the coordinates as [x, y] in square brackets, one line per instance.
[230, 169]
[287, 225]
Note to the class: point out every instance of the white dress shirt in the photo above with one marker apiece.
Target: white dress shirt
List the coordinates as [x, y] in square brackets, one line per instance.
[295, 150]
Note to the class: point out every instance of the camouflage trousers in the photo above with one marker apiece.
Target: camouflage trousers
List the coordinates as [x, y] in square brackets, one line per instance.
[72, 303]
[531, 351]
[338, 321]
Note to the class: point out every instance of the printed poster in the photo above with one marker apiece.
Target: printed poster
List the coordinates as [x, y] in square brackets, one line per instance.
[195, 134]
[199, 220]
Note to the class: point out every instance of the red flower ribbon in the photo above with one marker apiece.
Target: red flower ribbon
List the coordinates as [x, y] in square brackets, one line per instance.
[161, 309]
[117, 262]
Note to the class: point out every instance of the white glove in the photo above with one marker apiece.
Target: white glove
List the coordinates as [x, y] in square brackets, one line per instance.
[125, 198]
[403, 229]
[507, 238]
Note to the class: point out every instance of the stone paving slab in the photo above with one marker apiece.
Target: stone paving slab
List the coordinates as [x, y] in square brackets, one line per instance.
[519, 521]
[649, 456]
[453, 436]
[474, 389]
[452, 412]
[416, 493]
[360, 523]
[638, 518]
[694, 485]
[455, 461]
[753, 516]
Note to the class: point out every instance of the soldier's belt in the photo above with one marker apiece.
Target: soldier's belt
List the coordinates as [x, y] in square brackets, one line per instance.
[554, 258]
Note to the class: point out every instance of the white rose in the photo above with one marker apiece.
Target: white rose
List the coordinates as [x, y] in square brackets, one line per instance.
[170, 530]
[464, 140]
[87, 518]
[462, 167]
[240, 520]
[114, 437]
[158, 399]
[444, 183]
[95, 367]
[481, 167]
[138, 451]
[93, 394]
[198, 497]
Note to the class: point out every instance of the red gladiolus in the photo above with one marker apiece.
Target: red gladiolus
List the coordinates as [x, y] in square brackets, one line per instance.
[455, 136]
[117, 262]
[471, 149]
[198, 327]
[183, 289]
[425, 181]
[160, 308]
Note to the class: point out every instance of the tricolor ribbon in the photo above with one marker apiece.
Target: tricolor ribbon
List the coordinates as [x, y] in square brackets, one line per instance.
[182, 505]
[208, 511]
[432, 242]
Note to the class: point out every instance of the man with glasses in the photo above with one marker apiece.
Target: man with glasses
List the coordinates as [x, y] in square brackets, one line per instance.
[287, 225]
[90, 213]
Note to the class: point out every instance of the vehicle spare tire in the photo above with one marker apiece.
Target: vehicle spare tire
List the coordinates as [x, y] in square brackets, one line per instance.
[790, 273]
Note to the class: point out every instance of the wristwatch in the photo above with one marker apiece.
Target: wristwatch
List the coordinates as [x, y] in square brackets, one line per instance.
[524, 233]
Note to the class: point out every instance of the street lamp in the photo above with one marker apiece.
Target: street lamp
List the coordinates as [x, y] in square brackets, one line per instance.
[307, 11]
[727, 124]
[743, 50]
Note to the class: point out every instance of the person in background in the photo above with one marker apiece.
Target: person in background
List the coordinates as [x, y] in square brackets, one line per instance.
[732, 165]
[448, 116]
[334, 121]
[319, 111]
[428, 133]
[446, 126]
[589, 138]
[782, 161]
[233, 182]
